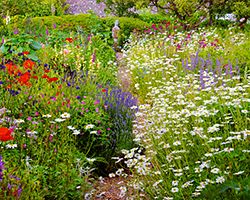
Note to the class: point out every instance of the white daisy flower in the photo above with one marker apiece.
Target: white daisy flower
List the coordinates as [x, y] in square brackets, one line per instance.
[220, 179]
[71, 128]
[76, 132]
[111, 175]
[18, 121]
[32, 132]
[175, 183]
[175, 189]
[215, 170]
[239, 173]
[47, 116]
[59, 120]
[65, 115]
[11, 146]
[89, 126]
[93, 132]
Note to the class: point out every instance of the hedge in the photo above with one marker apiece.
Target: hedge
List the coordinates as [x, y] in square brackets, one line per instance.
[89, 23]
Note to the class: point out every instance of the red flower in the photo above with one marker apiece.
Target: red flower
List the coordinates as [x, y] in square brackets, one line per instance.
[26, 53]
[5, 134]
[70, 40]
[24, 79]
[46, 71]
[34, 77]
[12, 69]
[45, 76]
[52, 79]
[28, 64]
[104, 90]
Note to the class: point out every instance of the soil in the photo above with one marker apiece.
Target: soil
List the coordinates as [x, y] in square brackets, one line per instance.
[109, 188]
[123, 73]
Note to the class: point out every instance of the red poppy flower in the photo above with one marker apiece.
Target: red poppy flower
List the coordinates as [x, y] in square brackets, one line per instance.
[12, 69]
[46, 71]
[70, 40]
[45, 76]
[28, 64]
[24, 79]
[26, 53]
[34, 77]
[52, 79]
[5, 134]
[104, 90]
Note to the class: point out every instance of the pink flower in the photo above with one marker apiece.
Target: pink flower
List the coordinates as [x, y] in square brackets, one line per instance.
[96, 102]
[51, 138]
[29, 118]
[66, 51]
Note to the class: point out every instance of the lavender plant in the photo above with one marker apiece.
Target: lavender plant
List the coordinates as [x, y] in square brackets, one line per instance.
[121, 106]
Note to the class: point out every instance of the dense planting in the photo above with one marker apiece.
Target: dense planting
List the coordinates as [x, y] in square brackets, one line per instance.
[195, 127]
[179, 130]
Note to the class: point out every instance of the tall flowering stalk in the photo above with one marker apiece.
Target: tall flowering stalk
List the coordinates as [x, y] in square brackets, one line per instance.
[118, 104]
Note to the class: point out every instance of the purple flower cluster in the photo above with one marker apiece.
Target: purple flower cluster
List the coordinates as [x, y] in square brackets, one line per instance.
[83, 6]
[118, 104]
[1, 169]
[209, 71]
[12, 188]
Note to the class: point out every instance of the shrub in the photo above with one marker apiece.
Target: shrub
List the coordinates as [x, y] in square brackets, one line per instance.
[85, 23]
[154, 18]
[32, 7]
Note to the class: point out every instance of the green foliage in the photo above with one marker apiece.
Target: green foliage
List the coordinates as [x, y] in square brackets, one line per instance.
[154, 18]
[32, 8]
[19, 44]
[83, 24]
[192, 12]
[242, 8]
[120, 8]
[189, 126]
[238, 188]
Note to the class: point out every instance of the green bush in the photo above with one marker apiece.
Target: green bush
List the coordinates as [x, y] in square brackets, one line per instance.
[154, 18]
[87, 23]
[32, 7]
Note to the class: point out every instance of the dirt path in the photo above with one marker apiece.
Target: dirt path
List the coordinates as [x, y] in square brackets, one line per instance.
[123, 75]
[112, 188]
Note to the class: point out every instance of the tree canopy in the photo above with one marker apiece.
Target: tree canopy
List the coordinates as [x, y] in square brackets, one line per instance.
[186, 10]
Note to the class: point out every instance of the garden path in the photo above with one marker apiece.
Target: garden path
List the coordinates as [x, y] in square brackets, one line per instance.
[110, 188]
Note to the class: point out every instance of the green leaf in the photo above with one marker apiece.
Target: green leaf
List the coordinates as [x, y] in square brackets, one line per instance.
[33, 57]
[35, 45]
[4, 49]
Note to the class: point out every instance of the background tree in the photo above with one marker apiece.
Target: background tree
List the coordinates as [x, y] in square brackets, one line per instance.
[191, 12]
[32, 7]
[120, 8]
